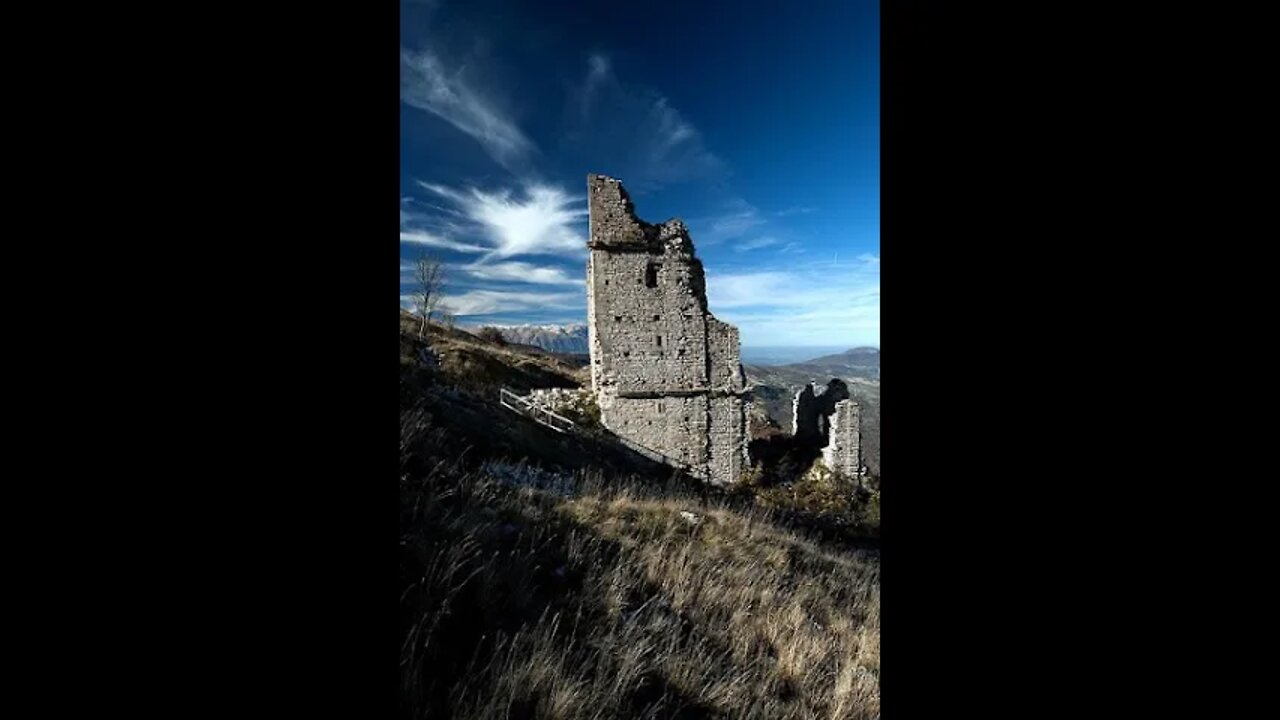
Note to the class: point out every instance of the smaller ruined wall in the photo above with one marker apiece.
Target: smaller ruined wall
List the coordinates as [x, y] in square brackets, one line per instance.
[811, 410]
[804, 413]
[843, 452]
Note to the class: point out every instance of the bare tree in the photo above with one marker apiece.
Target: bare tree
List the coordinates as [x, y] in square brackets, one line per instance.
[428, 271]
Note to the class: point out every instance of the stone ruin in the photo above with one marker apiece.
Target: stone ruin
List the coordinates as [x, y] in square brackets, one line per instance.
[843, 452]
[666, 373]
[830, 419]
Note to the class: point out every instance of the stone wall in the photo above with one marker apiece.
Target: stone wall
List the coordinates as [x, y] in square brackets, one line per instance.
[811, 410]
[843, 452]
[804, 413]
[666, 373]
[827, 418]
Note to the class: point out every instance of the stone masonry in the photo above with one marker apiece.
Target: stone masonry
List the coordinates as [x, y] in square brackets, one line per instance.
[829, 419]
[843, 451]
[804, 413]
[811, 410]
[666, 373]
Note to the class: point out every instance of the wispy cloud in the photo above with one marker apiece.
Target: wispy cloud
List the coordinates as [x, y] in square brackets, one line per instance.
[425, 83]
[811, 305]
[426, 239]
[496, 225]
[598, 73]
[794, 211]
[490, 302]
[522, 272]
[756, 243]
[540, 220]
[735, 219]
[635, 132]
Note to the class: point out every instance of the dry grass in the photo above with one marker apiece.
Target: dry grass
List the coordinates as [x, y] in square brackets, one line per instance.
[612, 602]
[821, 493]
[476, 364]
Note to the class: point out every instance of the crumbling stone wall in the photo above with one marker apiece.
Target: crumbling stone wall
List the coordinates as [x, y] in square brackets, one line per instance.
[804, 413]
[843, 452]
[829, 419]
[811, 410]
[666, 373]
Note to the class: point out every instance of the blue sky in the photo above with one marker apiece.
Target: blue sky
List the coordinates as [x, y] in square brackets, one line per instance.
[760, 129]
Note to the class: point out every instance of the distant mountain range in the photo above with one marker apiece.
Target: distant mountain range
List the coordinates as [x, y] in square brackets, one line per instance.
[553, 338]
[862, 362]
[572, 339]
[785, 354]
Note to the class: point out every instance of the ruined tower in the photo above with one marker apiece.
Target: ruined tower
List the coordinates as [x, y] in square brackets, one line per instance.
[666, 373]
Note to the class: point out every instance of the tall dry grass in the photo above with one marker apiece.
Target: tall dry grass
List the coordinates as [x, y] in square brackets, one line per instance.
[619, 599]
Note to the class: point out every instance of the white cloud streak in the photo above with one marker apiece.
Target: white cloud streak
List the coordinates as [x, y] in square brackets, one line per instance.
[756, 243]
[736, 218]
[425, 83]
[497, 225]
[636, 133]
[543, 220]
[426, 239]
[794, 211]
[489, 302]
[815, 304]
[522, 272]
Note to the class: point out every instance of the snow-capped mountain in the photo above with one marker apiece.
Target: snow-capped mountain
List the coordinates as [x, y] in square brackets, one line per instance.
[554, 338]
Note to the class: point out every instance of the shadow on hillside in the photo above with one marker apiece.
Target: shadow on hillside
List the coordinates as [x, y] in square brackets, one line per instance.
[782, 458]
[486, 571]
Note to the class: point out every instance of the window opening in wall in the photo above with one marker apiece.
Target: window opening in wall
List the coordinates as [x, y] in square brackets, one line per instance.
[651, 275]
[659, 340]
[617, 318]
[656, 318]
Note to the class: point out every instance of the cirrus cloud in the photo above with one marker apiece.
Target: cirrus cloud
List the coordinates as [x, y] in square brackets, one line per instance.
[427, 84]
[491, 302]
[539, 220]
[635, 132]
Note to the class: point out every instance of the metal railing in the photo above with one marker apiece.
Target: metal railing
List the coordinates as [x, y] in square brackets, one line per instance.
[541, 415]
[524, 406]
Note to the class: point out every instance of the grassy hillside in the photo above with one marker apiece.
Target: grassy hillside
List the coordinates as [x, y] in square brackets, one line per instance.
[553, 576]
